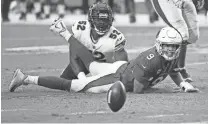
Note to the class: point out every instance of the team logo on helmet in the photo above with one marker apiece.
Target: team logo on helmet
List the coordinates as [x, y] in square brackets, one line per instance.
[100, 17]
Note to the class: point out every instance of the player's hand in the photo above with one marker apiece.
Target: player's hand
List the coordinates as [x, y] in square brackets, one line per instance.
[59, 27]
[188, 88]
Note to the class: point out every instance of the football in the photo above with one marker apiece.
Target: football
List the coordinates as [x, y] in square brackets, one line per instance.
[116, 96]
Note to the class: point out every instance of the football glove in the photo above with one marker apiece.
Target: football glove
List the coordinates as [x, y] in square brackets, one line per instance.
[59, 27]
[188, 88]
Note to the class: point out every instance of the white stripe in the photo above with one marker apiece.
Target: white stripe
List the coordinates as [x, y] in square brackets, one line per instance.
[30, 38]
[197, 63]
[61, 69]
[15, 110]
[75, 113]
[65, 49]
[106, 112]
[160, 116]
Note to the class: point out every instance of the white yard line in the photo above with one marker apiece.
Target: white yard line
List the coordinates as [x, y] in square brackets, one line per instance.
[65, 49]
[31, 38]
[165, 115]
[61, 69]
[108, 112]
[15, 110]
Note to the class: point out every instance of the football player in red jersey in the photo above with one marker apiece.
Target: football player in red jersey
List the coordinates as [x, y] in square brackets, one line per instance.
[149, 68]
[181, 15]
[98, 35]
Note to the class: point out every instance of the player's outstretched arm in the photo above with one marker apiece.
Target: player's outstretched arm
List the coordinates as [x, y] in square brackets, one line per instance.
[185, 86]
[59, 27]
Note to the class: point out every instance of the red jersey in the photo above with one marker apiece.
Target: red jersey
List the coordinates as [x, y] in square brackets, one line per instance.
[149, 67]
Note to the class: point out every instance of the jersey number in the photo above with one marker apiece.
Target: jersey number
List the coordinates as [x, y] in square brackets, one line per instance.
[81, 25]
[98, 56]
[114, 34]
[150, 56]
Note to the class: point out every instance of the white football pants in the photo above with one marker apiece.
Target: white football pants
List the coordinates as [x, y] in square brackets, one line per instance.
[181, 15]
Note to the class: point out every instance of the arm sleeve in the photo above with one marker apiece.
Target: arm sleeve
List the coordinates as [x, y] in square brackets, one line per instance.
[76, 33]
[120, 42]
[176, 77]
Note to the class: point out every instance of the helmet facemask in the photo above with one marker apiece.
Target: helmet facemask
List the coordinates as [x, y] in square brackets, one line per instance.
[168, 51]
[168, 43]
[101, 18]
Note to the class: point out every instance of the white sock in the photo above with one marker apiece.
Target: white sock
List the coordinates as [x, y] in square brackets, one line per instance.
[31, 80]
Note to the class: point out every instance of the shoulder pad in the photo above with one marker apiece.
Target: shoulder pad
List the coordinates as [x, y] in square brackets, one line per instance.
[120, 40]
[78, 28]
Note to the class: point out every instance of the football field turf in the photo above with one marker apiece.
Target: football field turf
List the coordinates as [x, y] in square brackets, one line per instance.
[37, 51]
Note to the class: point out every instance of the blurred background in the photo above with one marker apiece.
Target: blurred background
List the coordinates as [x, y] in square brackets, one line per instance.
[125, 11]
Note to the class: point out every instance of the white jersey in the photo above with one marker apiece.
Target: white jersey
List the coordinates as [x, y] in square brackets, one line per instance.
[180, 14]
[105, 46]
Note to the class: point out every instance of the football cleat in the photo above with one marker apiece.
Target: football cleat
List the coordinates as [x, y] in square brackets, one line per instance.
[186, 76]
[17, 80]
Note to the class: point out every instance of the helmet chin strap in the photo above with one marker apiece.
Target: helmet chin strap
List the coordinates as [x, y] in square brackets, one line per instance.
[98, 32]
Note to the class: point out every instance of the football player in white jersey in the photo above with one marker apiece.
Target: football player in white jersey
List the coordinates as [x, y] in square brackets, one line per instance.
[181, 15]
[98, 35]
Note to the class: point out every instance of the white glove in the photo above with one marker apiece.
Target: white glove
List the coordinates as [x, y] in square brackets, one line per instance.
[187, 87]
[59, 27]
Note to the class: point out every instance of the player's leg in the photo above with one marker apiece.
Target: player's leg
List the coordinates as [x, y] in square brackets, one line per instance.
[52, 82]
[190, 17]
[100, 84]
[173, 17]
[61, 8]
[80, 56]
[96, 68]
[68, 73]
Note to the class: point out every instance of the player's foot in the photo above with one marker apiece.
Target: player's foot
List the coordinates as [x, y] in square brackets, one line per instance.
[186, 76]
[17, 80]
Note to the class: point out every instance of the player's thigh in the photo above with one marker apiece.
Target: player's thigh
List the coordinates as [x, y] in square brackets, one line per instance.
[100, 67]
[102, 84]
[68, 73]
[172, 16]
[78, 50]
[190, 17]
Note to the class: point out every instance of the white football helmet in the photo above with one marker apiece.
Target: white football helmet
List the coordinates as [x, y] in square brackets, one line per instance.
[168, 43]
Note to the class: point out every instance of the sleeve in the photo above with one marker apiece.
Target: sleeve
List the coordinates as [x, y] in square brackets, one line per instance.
[176, 67]
[74, 29]
[141, 75]
[120, 42]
